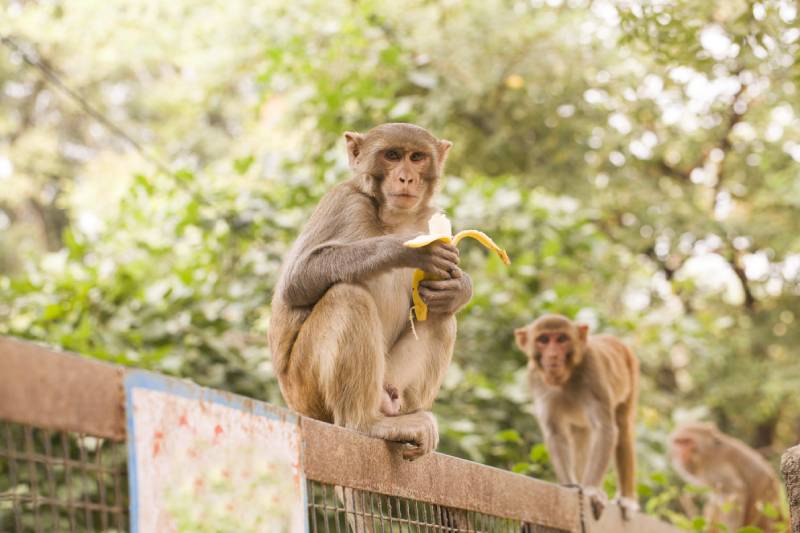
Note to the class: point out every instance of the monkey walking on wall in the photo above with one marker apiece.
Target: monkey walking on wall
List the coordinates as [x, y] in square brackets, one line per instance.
[342, 346]
[585, 390]
[742, 482]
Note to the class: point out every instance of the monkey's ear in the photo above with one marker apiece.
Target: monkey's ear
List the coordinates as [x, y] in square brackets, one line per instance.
[583, 332]
[354, 142]
[521, 335]
[443, 147]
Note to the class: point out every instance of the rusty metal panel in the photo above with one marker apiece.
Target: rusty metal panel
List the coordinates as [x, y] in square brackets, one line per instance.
[338, 456]
[54, 390]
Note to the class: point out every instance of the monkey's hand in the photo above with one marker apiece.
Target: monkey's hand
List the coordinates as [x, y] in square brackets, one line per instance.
[447, 296]
[438, 259]
[597, 499]
[628, 507]
[417, 431]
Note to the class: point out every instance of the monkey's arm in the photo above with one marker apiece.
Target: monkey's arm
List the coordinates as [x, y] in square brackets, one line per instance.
[603, 438]
[558, 444]
[729, 504]
[316, 268]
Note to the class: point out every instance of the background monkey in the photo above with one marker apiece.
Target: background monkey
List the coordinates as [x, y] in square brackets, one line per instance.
[342, 346]
[740, 479]
[585, 391]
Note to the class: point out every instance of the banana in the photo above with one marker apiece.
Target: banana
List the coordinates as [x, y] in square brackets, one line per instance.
[439, 229]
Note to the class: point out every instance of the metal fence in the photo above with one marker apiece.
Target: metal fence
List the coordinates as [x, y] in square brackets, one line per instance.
[63, 467]
[335, 509]
[60, 481]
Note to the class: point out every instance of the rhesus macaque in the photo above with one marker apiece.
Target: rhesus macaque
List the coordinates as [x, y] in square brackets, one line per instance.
[585, 391]
[341, 340]
[741, 480]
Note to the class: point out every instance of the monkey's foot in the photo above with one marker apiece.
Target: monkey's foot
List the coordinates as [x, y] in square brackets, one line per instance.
[597, 499]
[628, 507]
[418, 432]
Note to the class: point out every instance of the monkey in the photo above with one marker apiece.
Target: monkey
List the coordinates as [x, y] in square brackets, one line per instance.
[342, 346]
[585, 390]
[741, 480]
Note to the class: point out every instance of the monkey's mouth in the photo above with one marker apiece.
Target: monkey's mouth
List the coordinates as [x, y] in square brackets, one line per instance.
[403, 199]
[555, 373]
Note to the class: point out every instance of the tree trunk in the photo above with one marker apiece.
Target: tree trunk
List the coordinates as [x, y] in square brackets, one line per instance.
[790, 468]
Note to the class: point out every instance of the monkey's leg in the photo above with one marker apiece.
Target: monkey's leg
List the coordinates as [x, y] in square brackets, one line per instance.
[417, 365]
[338, 360]
[625, 453]
[625, 458]
[337, 368]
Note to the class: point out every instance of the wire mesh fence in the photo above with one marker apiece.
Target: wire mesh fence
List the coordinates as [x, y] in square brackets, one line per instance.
[61, 481]
[64, 481]
[333, 509]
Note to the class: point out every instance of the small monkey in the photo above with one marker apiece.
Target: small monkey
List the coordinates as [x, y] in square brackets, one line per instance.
[740, 479]
[342, 346]
[585, 390]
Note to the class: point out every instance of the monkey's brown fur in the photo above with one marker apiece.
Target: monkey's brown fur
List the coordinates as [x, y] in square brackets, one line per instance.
[742, 481]
[339, 330]
[585, 390]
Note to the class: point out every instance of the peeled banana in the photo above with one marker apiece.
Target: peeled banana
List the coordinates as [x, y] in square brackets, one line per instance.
[439, 229]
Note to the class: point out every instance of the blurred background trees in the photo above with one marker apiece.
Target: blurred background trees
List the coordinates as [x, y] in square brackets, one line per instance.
[638, 162]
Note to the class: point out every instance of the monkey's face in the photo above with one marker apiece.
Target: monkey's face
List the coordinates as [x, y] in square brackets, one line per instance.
[407, 176]
[555, 346]
[682, 449]
[554, 353]
[399, 164]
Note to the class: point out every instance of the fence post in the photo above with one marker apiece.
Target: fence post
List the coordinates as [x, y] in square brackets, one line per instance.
[790, 468]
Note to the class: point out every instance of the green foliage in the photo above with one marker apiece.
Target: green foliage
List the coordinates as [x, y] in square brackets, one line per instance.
[638, 163]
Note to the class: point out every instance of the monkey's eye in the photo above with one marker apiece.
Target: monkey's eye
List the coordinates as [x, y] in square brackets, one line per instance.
[418, 156]
[542, 339]
[562, 339]
[393, 155]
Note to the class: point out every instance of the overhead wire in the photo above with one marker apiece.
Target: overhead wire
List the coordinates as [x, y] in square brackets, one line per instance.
[32, 57]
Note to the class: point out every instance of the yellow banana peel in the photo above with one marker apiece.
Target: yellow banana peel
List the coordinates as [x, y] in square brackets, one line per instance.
[439, 229]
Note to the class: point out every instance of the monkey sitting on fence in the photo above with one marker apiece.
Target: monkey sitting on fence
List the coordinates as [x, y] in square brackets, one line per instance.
[343, 349]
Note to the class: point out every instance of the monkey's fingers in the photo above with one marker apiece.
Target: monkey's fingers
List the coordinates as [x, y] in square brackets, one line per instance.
[448, 256]
[597, 500]
[440, 285]
[628, 507]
